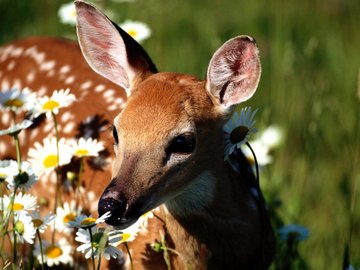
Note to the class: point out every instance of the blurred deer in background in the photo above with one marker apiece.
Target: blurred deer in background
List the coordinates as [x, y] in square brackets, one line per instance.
[168, 141]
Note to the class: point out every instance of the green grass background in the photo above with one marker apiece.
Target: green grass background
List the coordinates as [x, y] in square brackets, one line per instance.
[310, 52]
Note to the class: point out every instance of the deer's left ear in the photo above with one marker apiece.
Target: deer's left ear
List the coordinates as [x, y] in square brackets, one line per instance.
[234, 71]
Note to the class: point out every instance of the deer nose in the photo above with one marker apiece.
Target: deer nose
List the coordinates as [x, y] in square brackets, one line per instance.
[117, 209]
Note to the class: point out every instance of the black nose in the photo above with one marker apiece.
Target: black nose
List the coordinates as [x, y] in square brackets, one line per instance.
[117, 209]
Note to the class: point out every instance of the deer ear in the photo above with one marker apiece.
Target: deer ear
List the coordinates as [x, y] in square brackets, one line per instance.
[109, 50]
[234, 71]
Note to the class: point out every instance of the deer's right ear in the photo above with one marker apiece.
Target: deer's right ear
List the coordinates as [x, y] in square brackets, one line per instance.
[109, 50]
[234, 71]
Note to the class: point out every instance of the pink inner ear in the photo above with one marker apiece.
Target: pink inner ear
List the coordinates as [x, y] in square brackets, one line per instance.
[101, 44]
[234, 71]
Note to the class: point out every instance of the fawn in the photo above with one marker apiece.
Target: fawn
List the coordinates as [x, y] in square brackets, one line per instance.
[168, 143]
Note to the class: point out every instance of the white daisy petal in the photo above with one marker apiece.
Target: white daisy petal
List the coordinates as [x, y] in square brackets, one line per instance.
[54, 254]
[59, 99]
[16, 100]
[44, 158]
[238, 129]
[86, 147]
[137, 30]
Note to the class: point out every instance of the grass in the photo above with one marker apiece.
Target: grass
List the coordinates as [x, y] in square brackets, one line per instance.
[310, 87]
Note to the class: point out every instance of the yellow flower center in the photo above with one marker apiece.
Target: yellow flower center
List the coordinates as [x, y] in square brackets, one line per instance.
[125, 237]
[81, 152]
[50, 161]
[88, 221]
[132, 33]
[3, 175]
[14, 103]
[53, 252]
[69, 217]
[50, 105]
[17, 207]
[37, 223]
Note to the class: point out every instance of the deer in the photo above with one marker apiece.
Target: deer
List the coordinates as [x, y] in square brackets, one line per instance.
[168, 141]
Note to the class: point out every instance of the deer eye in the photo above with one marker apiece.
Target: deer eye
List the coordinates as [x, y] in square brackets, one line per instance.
[115, 135]
[183, 144]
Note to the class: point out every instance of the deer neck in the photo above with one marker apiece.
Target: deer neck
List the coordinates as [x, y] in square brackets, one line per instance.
[216, 216]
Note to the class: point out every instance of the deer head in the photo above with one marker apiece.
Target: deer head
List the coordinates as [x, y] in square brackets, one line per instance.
[169, 135]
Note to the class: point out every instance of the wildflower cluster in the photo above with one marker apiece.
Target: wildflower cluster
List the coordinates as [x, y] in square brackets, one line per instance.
[23, 218]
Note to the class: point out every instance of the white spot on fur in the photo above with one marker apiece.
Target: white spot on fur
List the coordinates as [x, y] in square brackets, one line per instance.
[11, 65]
[3, 147]
[85, 85]
[70, 80]
[109, 93]
[5, 84]
[6, 51]
[69, 127]
[51, 73]
[17, 83]
[34, 133]
[30, 77]
[66, 116]
[48, 127]
[99, 88]
[113, 107]
[5, 118]
[17, 52]
[118, 101]
[49, 65]
[42, 91]
[64, 69]
[35, 54]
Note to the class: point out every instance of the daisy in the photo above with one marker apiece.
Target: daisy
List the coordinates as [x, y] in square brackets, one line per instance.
[15, 129]
[24, 228]
[41, 223]
[67, 213]
[129, 234]
[25, 180]
[44, 157]
[16, 100]
[86, 147]
[54, 254]
[59, 99]
[8, 169]
[238, 129]
[101, 242]
[67, 13]
[293, 232]
[22, 202]
[83, 221]
[137, 30]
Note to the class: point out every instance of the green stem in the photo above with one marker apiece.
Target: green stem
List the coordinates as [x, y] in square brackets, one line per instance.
[14, 247]
[77, 192]
[18, 154]
[57, 171]
[261, 206]
[130, 257]
[7, 218]
[41, 249]
[92, 248]
[99, 262]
